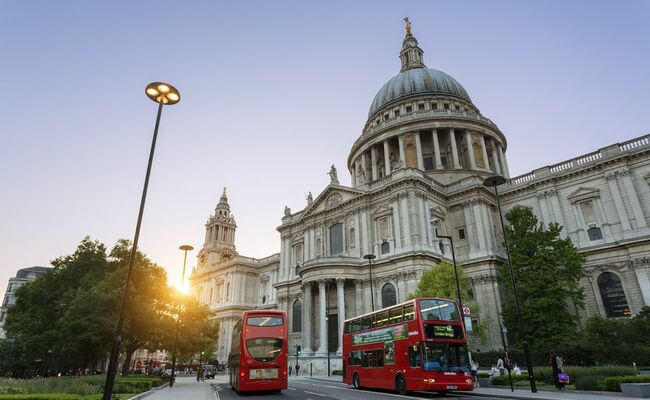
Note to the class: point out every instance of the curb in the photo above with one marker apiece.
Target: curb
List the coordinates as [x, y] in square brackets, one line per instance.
[145, 394]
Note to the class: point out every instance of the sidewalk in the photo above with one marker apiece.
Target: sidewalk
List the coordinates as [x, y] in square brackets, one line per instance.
[186, 388]
[505, 393]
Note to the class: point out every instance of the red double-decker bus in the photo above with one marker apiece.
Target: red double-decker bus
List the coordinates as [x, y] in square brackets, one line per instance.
[258, 356]
[417, 345]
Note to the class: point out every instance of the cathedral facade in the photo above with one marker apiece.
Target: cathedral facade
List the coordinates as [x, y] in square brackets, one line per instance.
[423, 155]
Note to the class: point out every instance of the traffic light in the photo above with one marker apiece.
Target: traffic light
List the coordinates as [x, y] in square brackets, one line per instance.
[298, 349]
[203, 353]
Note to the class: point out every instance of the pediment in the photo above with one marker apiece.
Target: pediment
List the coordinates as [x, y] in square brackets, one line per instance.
[583, 193]
[332, 196]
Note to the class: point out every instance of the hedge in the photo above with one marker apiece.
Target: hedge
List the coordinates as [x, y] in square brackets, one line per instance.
[613, 384]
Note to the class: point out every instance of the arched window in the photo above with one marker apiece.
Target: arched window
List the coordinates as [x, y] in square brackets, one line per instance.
[611, 291]
[388, 295]
[297, 317]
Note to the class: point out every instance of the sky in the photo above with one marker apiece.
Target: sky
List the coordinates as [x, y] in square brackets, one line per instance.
[272, 94]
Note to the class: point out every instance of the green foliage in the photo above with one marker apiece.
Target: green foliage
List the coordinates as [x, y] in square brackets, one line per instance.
[613, 384]
[547, 270]
[616, 341]
[337, 372]
[589, 382]
[75, 385]
[67, 318]
[503, 380]
[440, 281]
[545, 374]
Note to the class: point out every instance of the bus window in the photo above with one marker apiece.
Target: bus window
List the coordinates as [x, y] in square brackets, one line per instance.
[355, 358]
[365, 358]
[264, 321]
[409, 312]
[382, 319]
[365, 323]
[356, 325]
[395, 315]
[378, 358]
[415, 358]
[438, 310]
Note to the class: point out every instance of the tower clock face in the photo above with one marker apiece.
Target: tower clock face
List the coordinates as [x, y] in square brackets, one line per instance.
[226, 255]
[202, 259]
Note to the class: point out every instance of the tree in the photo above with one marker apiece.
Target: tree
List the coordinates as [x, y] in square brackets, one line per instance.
[35, 323]
[440, 281]
[547, 271]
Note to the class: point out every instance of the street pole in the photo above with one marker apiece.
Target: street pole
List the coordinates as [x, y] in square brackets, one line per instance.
[185, 248]
[161, 93]
[495, 181]
[460, 300]
[371, 257]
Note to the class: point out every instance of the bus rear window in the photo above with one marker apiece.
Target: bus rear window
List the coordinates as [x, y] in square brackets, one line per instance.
[438, 310]
[264, 321]
[264, 349]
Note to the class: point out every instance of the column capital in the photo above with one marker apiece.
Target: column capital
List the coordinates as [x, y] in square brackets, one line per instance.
[340, 281]
[358, 283]
[306, 285]
[322, 283]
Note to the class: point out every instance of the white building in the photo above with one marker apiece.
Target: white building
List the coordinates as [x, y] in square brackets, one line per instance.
[423, 154]
[23, 276]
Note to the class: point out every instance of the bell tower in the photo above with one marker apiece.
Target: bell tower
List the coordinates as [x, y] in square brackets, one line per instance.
[220, 231]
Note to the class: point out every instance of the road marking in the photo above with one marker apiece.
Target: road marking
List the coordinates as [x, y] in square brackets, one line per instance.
[291, 389]
[317, 394]
[379, 393]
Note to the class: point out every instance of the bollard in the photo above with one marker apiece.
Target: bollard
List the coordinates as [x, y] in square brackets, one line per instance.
[310, 370]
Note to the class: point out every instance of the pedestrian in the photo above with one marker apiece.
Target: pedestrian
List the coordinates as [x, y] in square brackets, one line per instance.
[473, 368]
[558, 368]
[199, 374]
[494, 371]
[290, 368]
[500, 366]
[297, 369]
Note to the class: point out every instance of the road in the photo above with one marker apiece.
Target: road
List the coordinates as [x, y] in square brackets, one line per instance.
[310, 389]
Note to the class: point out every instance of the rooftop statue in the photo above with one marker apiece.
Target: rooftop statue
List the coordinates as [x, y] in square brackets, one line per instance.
[408, 25]
[333, 176]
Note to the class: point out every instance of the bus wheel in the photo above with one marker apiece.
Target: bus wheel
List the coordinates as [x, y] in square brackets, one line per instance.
[355, 381]
[400, 384]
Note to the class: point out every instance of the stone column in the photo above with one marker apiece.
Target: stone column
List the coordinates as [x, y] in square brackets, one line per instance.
[476, 210]
[406, 219]
[484, 151]
[307, 318]
[358, 287]
[401, 150]
[353, 172]
[363, 227]
[503, 162]
[541, 200]
[618, 202]
[395, 223]
[469, 232]
[424, 221]
[470, 149]
[634, 200]
[454, 149]
[495, 158]
[436, 150]
[340, 290]
[322, 348]
[363, 167]
[580, 225]
[373, 162]
[418, 151]
[644, 284]
[387, 158]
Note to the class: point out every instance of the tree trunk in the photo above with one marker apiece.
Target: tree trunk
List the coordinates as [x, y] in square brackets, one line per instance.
[127, 360]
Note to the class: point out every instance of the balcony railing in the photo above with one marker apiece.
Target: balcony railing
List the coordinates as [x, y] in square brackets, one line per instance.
[615, 150]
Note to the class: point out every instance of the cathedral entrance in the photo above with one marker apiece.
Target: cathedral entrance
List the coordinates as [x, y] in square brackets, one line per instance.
[332, 332]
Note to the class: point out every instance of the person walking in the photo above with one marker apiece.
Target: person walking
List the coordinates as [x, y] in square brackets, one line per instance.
[473, 368]
[297, 368]
[558, 368]
[500, 366]
[199, 374]
[290, 369]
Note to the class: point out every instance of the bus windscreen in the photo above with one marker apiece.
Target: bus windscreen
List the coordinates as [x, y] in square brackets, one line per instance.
[438, 310]
[264, 349]
[264, 321]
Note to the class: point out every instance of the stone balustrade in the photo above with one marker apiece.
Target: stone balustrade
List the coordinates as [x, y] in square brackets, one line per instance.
[615, 150]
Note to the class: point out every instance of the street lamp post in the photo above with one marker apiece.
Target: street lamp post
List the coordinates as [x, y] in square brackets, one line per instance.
[163, 94]
[434, 223]
[185, 248]
[495, 181]
[371, 257]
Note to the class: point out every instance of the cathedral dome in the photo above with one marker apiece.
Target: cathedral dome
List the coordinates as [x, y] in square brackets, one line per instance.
[415, 82]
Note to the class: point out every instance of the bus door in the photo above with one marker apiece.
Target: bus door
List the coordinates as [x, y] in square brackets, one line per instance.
[415, 357]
